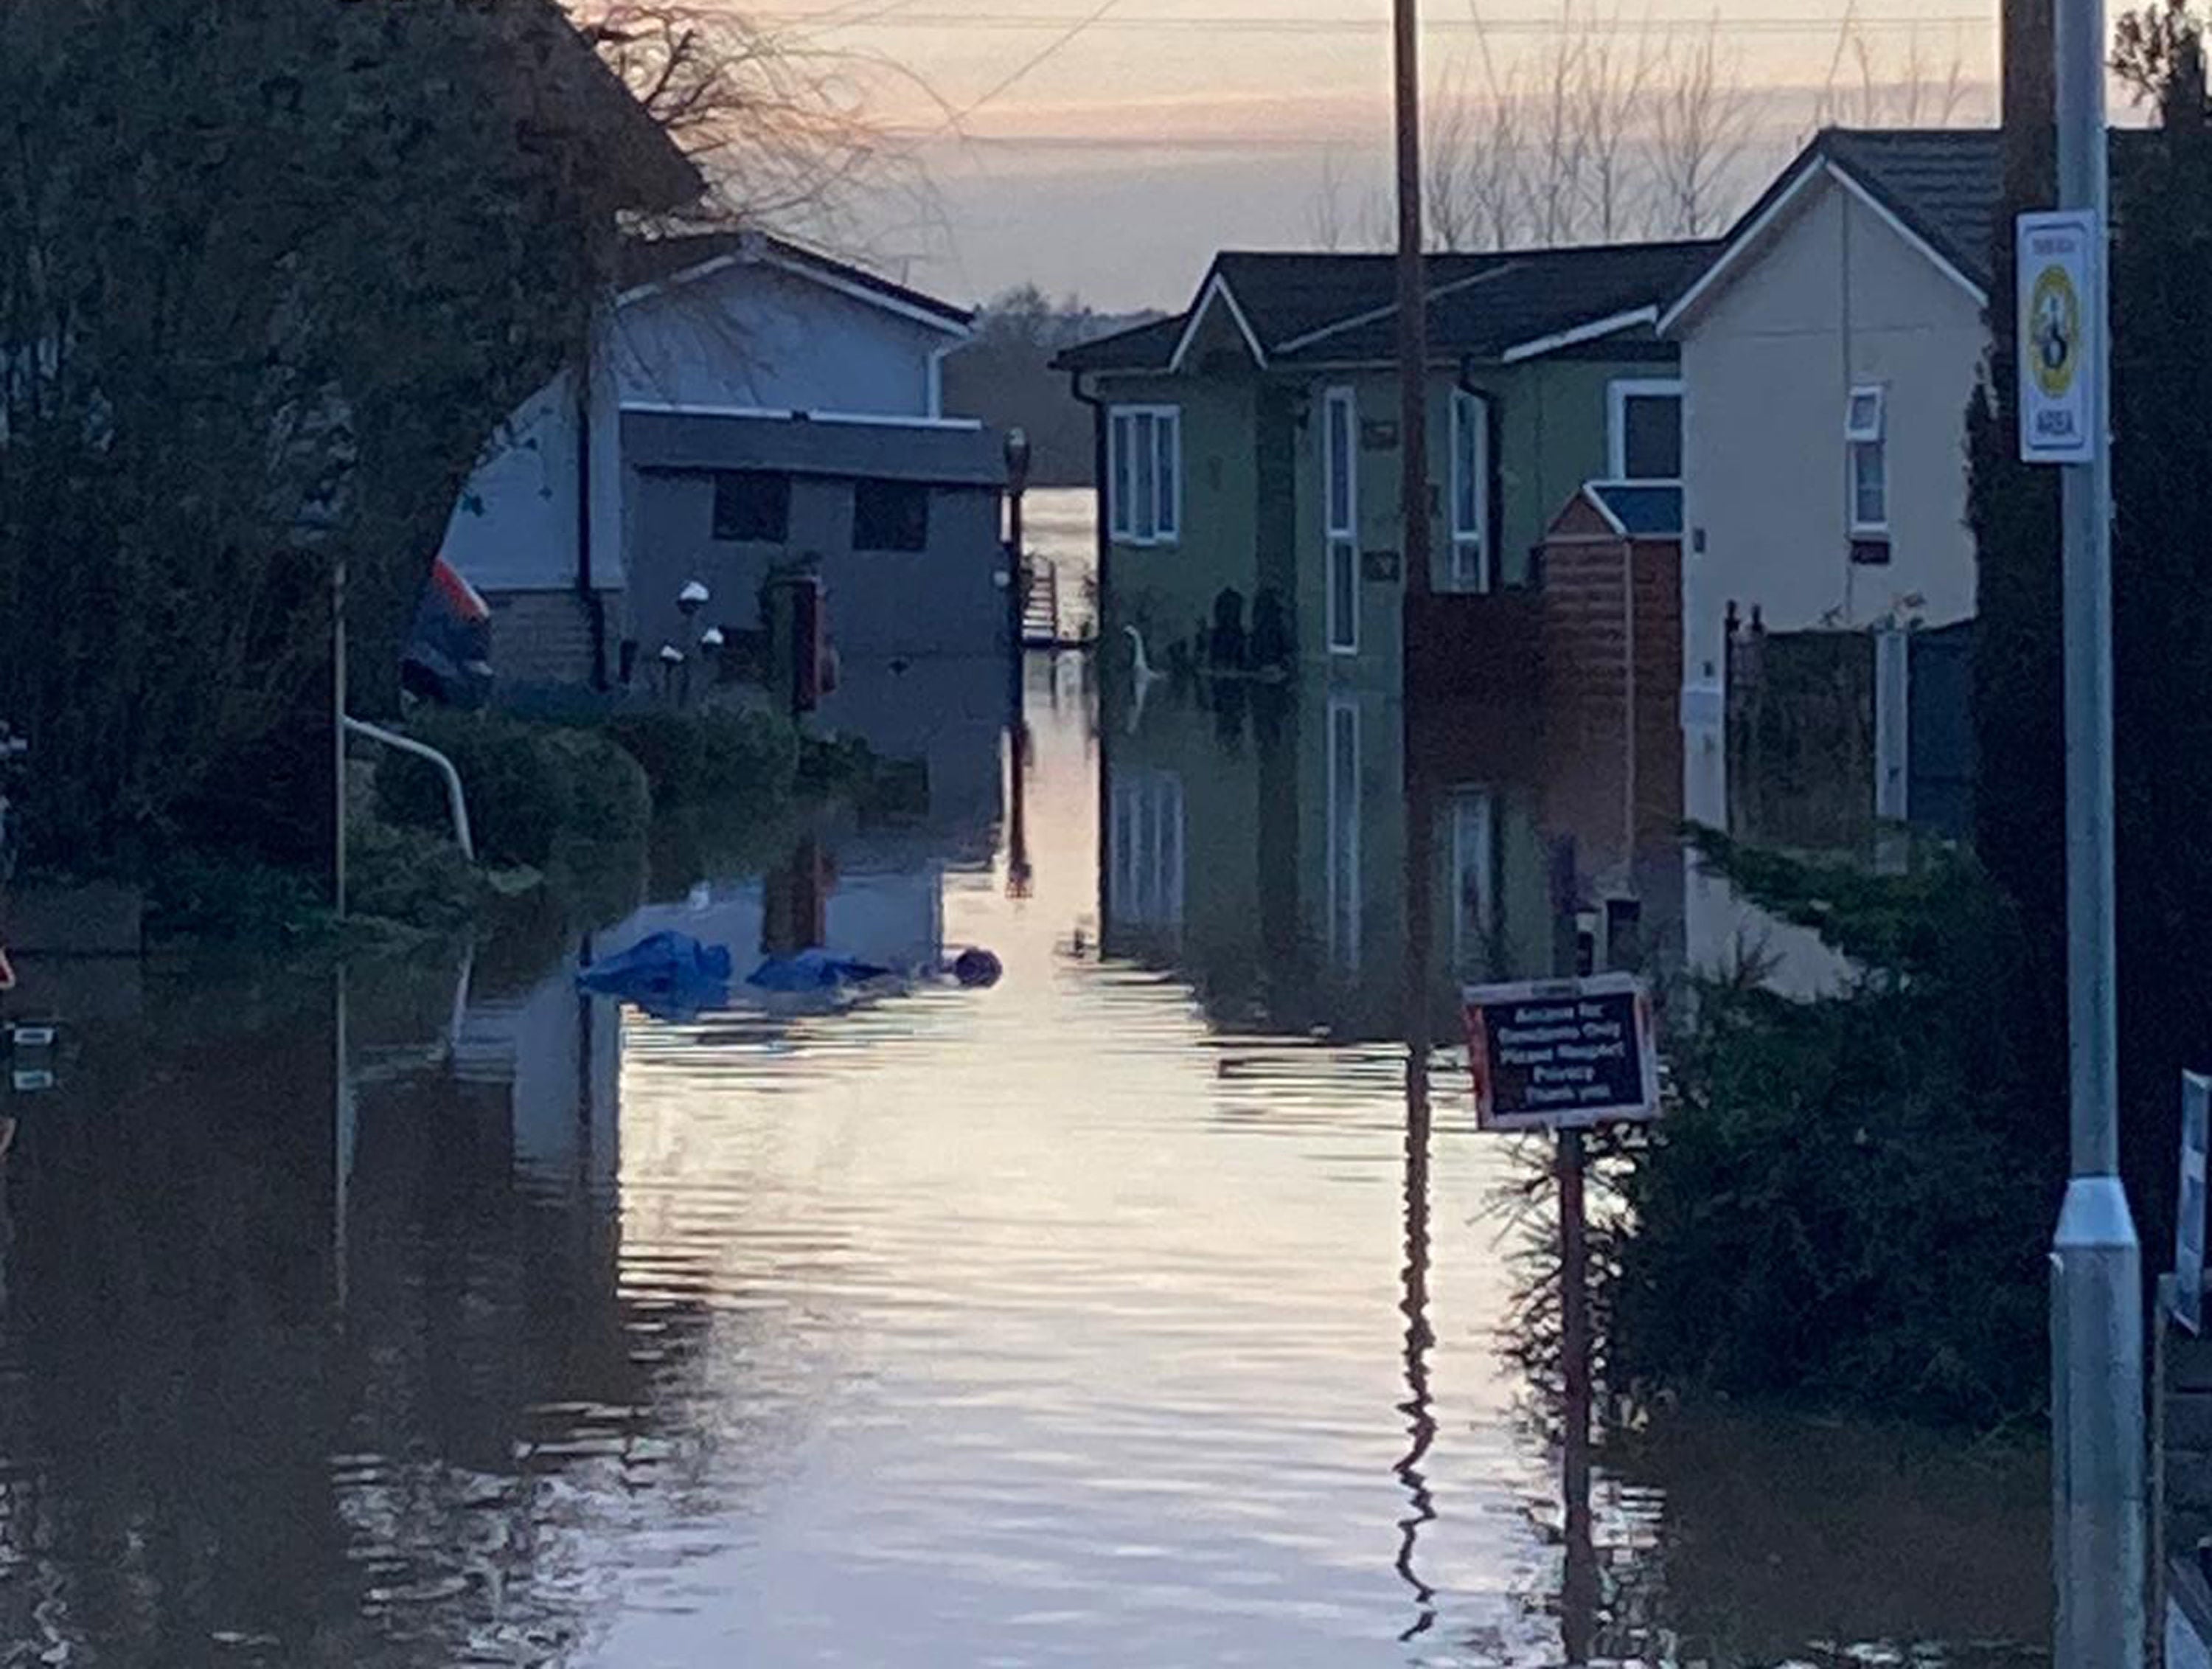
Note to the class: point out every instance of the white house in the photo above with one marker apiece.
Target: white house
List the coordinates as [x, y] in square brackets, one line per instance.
[1829, 354]
[733, 325]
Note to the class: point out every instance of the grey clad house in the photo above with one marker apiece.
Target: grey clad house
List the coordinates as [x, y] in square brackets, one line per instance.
[897, 520]
[755, 410]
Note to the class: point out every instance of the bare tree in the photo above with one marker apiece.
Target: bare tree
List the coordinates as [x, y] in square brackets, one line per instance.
[1701, 122]
[1597, 134]
[1554, 172]
[1610, 93]
[780, 124]
[1923, 88]
[1471, 173]
[1325, 210]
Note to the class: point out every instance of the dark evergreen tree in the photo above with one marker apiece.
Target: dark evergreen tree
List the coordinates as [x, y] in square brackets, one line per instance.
[2161, 290]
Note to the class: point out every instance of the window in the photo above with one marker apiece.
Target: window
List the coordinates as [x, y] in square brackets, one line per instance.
[891, 515]
[1470, 493]
[752, 505]
[1145, 495]
[1148, 849]
[1865, 434]
[1343, 854]
[1474, 878]
[1646, 431]
[1339, 471]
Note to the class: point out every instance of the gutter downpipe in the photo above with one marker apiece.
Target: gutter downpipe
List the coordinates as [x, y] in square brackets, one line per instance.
[1102, 534]
[595, 607]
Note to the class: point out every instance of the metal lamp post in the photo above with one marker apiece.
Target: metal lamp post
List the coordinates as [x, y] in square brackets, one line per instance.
[1017, 481]
[694, 597]
[2096, 1262]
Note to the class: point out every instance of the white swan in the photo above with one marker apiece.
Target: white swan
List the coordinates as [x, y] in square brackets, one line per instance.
[1145, 676]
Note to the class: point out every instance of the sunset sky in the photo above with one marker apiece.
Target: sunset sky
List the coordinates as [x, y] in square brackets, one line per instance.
[1109, 147]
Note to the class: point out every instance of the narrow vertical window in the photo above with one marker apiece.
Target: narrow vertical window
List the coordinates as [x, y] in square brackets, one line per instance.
[1865, 434]
[1341, 505]
[1343, 855]
[1470, 493]
[1120, 496]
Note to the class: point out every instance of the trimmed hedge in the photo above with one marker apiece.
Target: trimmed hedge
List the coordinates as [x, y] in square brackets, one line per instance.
[410, 876]
[691, 758]
[530, 786]
[747, 752]
[671, 747]
[613, 799]
[521, 788]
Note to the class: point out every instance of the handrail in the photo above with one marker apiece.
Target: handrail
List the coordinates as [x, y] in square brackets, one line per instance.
[454, 797]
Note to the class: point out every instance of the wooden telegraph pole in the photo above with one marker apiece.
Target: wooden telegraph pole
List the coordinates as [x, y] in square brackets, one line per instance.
[1412, 309]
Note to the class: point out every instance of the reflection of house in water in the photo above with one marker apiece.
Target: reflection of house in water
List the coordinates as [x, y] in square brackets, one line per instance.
[1255, 844]
[880, 900]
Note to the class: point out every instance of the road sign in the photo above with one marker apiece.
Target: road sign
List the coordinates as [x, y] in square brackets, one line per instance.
[1562, 1054]
[2189, 1213]
[2060, 352]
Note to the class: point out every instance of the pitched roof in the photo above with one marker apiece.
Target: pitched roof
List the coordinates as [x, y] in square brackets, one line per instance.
[1306, 308]
[673, 258]
[1489, 306]
[1942, 186]
[1945, 184]
[1137, 348]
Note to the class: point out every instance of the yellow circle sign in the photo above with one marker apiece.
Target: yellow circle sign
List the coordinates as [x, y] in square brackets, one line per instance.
[2054, 332]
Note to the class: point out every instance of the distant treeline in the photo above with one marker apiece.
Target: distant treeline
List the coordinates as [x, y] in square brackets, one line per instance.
[1005, 377]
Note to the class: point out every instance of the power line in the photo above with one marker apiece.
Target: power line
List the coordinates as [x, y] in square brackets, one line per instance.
[1250, 23]
[1068, 34]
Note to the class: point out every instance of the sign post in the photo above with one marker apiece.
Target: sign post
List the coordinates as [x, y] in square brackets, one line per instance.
[1563, 1054]
[1566, 1056]
[2096, 1286]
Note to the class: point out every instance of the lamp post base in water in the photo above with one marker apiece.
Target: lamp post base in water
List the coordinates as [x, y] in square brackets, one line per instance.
[2097, 1430]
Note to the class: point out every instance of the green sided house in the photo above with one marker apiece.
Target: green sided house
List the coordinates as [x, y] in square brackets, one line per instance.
[1248, 449]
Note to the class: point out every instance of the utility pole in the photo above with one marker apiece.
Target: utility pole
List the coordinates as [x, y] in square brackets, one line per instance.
[1578, 1594]
[338, 698]
[2097, 1319]
[1412, 304]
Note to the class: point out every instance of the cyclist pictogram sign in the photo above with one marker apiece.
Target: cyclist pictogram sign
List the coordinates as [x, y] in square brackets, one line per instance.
[2059, 349]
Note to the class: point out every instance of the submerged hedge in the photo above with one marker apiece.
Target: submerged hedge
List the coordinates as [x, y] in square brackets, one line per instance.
[532, 786]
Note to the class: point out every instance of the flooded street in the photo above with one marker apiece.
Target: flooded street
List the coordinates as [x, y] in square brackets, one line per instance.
[440, 1315]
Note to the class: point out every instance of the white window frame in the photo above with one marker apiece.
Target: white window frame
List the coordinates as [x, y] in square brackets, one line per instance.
[1149, 849]
[1470, 411]
[1150, 516]
[1341, 533]
[1341, 839]
[1858, 439]
[1617, 396]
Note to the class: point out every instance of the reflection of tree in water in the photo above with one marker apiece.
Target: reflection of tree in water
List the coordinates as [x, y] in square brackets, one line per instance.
[169, 1406]
[1736, 1538]
[207, 1457]
[1773, 1539]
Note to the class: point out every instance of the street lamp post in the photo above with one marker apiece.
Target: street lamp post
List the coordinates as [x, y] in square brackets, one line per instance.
[1017, 481]
[690, 600]
[2096, 1295]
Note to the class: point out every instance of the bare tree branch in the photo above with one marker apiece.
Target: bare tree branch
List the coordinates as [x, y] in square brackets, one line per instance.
[1702, 121]
[783, 126]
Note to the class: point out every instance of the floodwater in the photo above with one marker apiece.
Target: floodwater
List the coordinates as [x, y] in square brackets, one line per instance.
[437, 1315]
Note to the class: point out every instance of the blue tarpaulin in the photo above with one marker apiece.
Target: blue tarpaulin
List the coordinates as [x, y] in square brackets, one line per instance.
[813, 971]
[663, 971]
